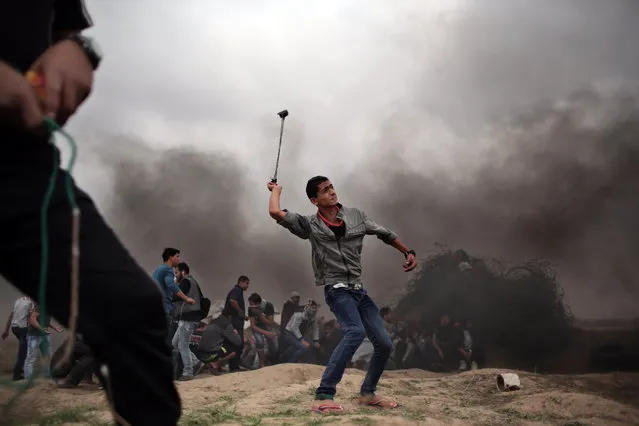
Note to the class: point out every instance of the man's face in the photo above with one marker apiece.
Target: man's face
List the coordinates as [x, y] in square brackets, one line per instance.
[253, 304]
[244, 285]
[174, 260]
[389, 316]
[326, 195]
[445, 320]
[295, 300]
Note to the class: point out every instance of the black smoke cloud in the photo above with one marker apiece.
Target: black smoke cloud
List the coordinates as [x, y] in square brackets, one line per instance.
[199, 202]
[562, 186]
[558, 181]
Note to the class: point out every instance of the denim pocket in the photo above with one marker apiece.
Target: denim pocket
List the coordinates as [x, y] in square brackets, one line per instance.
[329, 296]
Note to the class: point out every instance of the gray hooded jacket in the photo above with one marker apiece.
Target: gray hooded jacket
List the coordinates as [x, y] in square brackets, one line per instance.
[335, 260]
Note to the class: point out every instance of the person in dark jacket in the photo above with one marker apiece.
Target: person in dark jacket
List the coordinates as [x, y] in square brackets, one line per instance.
[80, 365]
[121, 314]
[218, 343]
[235, 311]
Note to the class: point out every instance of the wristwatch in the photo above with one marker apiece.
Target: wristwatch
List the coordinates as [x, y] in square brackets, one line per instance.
[410, 252]
[90, 48]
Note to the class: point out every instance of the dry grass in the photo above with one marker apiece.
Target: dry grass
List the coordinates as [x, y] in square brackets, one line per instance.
[283, 394]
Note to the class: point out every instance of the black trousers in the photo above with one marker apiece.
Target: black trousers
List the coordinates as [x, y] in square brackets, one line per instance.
[120, 313]
[81, 364]
[21, 335]
[238, 324]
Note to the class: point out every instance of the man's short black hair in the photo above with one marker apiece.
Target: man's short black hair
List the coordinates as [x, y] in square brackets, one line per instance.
[168, 253]
[183, 267]
[384, 311]
[255, 298]
[243, 279]
[312, 186]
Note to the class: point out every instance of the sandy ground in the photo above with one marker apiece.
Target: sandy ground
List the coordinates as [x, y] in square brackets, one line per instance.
[283, 394]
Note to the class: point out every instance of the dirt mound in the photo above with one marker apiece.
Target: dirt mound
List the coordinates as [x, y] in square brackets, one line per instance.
[283, 394]
[568, 406]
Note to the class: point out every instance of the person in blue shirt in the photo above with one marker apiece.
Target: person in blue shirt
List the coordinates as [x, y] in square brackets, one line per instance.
[165, 278]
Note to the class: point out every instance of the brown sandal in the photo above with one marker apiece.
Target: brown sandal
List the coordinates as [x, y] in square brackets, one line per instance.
[376, 401]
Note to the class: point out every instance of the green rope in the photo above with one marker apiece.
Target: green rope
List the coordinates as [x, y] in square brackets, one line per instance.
[52, 127]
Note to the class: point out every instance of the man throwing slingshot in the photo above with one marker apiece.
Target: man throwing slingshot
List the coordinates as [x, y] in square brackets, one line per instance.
[336, 234]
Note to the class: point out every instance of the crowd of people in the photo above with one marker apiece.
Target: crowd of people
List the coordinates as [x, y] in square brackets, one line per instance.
[243, 337]
[249, 337]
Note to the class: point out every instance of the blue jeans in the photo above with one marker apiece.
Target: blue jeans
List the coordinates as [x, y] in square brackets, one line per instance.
[37, 345]
[358, 317]
[181, 342]
[295, 350]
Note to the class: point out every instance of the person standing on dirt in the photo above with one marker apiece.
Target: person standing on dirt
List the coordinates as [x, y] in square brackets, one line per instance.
[165, 277]
[38, 342]
[120, 308]
[188, 316]
[444, 341]
[336, 234]
[18, 322]
[235, 310]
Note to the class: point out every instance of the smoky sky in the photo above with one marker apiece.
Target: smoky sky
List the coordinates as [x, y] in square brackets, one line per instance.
[508, 129]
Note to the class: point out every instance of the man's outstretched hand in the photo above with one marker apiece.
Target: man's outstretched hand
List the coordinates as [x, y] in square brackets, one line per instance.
[410, 263]
[274, 186]
[68, 79]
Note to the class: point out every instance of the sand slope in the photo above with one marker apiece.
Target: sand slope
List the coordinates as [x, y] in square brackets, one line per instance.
[283, 394]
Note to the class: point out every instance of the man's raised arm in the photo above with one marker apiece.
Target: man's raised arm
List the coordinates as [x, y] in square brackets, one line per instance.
[296, 223]
[274, 208]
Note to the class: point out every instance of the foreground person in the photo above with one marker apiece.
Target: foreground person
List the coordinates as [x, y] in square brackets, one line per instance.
[120, 308]
[336, 234]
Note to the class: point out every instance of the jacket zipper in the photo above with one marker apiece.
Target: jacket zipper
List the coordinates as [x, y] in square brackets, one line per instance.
[348, 271]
